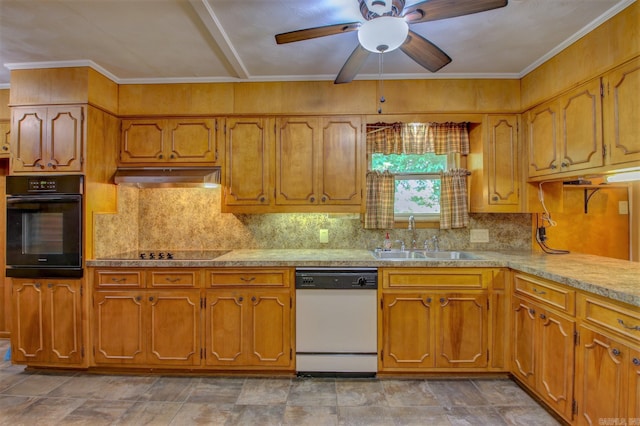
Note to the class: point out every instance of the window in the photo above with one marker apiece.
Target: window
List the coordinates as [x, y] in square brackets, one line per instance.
[417, 182]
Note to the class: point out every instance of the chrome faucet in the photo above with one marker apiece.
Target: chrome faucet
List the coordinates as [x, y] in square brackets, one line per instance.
[412, 228]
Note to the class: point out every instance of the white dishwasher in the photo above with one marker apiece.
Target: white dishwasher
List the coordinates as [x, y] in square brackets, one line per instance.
[336, 321]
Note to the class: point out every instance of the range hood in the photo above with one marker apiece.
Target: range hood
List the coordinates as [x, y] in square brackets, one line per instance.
[167, 177]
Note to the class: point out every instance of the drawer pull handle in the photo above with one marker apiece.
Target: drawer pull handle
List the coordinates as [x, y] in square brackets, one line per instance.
[172, 280]
[249, 279]
[536, 291]
[629, 327]
[615, 352]
[118, 280]
[636, 362]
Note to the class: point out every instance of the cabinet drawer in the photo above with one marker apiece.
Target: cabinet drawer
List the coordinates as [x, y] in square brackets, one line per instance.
[253, 277]
[120, 279]
[611, 317]
[551, 294]
[174, 278]
[446, 278]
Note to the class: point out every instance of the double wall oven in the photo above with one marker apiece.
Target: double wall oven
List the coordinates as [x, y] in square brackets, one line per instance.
[44, 226]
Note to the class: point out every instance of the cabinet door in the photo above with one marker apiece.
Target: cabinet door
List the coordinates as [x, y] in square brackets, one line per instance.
[407, 330]
[341, 161]
[248, 174]
[297, 161]
[174, 327]
[542, 139]
[502, 162]
[192, 140]
[633, 408]
[524, 337]
[462, 327]
[29, 150]
[28, 334]
[65, 134]
[601, 380]
[225, 327]
[119, 334]
[64, 313]
[270, 328]
[5, 142]
[621, 112]
[555, 351]
[581, 128]
[143, 141]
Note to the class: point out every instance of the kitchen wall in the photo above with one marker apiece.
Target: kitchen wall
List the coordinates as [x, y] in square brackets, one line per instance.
[190, 219]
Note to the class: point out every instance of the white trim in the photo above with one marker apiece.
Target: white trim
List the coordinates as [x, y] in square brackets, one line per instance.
[62, 64]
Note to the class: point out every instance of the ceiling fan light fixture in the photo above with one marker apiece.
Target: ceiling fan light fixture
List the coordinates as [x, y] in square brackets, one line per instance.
[383, 34]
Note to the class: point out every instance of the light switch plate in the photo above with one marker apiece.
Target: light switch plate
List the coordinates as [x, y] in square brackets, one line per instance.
[324, 236]
[623, 207]
[479, 236]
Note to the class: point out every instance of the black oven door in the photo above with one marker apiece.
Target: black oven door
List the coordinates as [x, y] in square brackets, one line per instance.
[44, 236]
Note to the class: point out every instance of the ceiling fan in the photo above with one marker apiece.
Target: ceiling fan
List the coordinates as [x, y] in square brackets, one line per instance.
[386, 28]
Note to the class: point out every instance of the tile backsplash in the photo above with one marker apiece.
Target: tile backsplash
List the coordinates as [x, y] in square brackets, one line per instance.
[190, 219]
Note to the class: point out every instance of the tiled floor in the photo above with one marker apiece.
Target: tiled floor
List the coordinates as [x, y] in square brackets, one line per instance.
[28, 398]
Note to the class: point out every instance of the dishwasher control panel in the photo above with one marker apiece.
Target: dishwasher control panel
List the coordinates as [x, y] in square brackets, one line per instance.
[350, 278]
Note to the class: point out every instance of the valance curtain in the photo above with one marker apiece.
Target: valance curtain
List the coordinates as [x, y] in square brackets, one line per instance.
[417, 138]
[454, 212]
[380, 196]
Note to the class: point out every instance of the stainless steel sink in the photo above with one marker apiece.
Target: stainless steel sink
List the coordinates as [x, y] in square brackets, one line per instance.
[449, 255]
[422, 255]
[400, 255]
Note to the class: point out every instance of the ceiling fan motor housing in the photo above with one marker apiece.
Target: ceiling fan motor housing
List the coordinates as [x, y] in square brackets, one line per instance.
[371, 9]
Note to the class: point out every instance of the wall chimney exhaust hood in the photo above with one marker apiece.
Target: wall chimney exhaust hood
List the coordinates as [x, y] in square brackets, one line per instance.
[167, 177]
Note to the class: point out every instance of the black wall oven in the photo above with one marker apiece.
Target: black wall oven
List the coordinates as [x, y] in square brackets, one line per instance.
[44, 226]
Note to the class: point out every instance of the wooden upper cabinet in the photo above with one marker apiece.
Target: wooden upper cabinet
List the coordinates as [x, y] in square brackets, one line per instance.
[248, 143]
[621, 112]
[565, 134]
[5, 143]
[581, 128]
[47, 139]
[496, 174]
[169, 141]
[341, 155]
[318, 161]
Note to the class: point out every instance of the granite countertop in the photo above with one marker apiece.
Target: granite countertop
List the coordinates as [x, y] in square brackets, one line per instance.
[612, 278]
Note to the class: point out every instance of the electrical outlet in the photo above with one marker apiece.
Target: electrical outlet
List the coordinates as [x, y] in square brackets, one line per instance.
[479, 236]
[324, 236]
[623, 207]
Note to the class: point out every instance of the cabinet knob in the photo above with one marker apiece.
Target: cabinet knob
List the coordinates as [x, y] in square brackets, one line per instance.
[312, 199]
[553, 167]
[262, 199]
[5, 148]
[532, 311]
[150, 298]
[636, 362]
[253, 298]
[160, 156]
[138, 298]
[41, 166]
[442, 300]
[543, 316]
[51, 166]
[324, 199]
[564, 164]
[172, 156]
[240, 299]
[50, 285]
[615, 352]
[495, 198]
[428, 300]
[37, 285]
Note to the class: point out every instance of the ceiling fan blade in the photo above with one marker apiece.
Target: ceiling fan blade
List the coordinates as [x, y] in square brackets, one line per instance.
[316, 32]
[433, 10]
[424, 52]
[353, 65]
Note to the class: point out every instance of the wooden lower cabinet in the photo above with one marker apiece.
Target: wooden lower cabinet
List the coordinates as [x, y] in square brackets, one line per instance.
[543, 353]
[423, 327]
[248, 328]
[47, 322]
[147, 327]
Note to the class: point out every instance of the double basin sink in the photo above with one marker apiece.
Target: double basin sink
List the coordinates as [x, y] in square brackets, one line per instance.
[422, 255]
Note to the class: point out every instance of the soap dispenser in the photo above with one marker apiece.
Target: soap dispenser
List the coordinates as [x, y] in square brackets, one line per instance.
[387, 242]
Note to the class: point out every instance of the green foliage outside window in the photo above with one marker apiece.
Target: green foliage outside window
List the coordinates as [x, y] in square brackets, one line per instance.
[418, 182]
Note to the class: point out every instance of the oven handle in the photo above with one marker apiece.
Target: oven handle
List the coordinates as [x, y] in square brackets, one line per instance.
[42, 199]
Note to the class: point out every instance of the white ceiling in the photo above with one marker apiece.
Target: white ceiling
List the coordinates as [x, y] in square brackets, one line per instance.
[148, 41]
